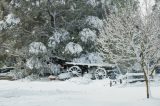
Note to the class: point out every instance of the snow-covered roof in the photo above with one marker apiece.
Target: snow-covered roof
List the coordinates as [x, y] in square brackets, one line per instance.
[134, 74]
[92, 64]
[93, 57]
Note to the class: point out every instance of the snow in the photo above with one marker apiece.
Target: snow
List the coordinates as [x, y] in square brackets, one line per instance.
[11, 19]
[9, 22]
[60, 2]
[75, 92]
[134, 74]
[89, 58]
[58, 36]
[3, 25]
[37, 47]
[146, 7]
[92, 3]
[54, 68]
[81, 80]
[73, 48]
[94, 22]
[16, 3]
[91, 64]
[136, 67]
[87, 35]
[34, 63]
[64, 76]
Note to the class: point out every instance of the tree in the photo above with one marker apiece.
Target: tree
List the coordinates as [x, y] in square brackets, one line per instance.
[129, 37]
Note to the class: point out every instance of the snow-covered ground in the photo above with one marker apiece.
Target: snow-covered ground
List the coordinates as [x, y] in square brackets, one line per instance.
[75, 92]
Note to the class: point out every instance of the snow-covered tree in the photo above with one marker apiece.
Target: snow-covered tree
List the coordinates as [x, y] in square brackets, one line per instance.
[37, 54]
[33, 63]
[58, 37]
[130, 37]
[73, 48]
[87, 35]
[8, 22]
[92, 3]
[94, 22]
[37, 48]
[55, 23]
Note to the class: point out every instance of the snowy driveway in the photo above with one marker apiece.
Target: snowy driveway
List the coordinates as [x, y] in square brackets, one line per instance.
[69, 93]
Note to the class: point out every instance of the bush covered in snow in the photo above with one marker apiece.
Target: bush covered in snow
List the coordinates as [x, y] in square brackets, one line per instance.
[18, 73]
[11, 19]
[89, 58]
[58, 36]
[36, 66]
[92, 3]
[3, 25]
[32, 77]
[73, 48]
[87, 35]
[94, 22]
[54, 68]
[9, 22]
[37, 48]
[33, 62]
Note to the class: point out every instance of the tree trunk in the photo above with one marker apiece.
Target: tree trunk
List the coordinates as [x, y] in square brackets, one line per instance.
[144, 71]
[147, 84]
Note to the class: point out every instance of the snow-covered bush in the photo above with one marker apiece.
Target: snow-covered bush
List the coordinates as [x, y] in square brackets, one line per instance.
[54, 68]
[33, 63]
[32, 77]
[3, 25]
[37, 48]
[89, 58]
[73, 48]
[60, 2]
[86, 35]
[18, 74]
[10, 21]
[16, 3]
[58, 36]
[94, 22]
[92, 3]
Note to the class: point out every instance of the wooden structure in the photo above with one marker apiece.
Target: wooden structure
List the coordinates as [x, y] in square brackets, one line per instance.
[99, 71]
[5, 70]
